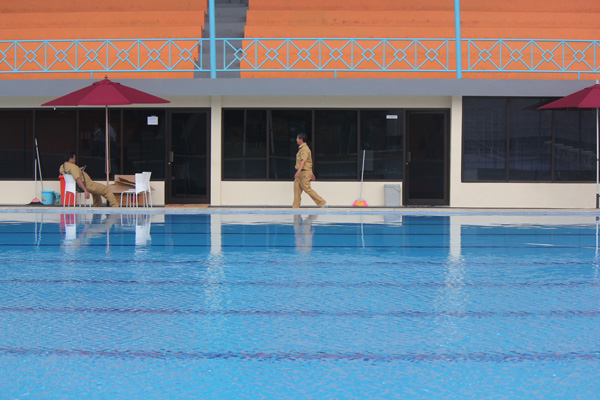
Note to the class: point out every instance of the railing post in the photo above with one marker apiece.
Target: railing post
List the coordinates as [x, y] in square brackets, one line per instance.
[213, 50]
[458, 39]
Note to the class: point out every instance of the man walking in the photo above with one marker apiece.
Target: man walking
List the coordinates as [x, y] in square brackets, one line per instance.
[304, 174]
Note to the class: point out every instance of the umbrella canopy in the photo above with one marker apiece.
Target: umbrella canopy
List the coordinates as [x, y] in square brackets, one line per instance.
[584, 98]
[106, 93]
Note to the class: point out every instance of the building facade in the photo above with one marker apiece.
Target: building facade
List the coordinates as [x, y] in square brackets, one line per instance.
[444, 113]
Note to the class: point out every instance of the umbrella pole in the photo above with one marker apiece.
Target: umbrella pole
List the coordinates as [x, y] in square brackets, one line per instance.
[107, 147]
[597, 160]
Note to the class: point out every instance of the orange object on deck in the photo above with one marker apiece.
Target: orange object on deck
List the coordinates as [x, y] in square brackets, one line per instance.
[62, 193]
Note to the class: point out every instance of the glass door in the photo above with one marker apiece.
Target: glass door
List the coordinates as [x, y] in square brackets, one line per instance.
[188, 158]
[426, 160]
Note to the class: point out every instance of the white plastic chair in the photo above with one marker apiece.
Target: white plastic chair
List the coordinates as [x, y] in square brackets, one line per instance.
[142, 186]
[71, 187]
[147, 175]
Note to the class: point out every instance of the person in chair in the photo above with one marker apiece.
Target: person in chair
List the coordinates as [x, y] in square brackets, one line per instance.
[87, 185]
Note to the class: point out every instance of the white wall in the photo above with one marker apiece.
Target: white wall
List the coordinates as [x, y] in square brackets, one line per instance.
[240, 193]
[22, 193]
[526, 195]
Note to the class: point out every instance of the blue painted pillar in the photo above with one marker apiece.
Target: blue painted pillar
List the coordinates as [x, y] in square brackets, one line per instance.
[458, 39]
[213, 49]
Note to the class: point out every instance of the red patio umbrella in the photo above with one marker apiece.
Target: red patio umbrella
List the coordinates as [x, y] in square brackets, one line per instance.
[584, 98]
[106, 93]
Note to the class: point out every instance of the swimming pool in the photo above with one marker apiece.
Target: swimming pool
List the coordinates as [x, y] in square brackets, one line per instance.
[299, 306]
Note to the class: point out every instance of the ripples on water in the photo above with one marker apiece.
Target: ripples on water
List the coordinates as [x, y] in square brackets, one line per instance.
[276, 306]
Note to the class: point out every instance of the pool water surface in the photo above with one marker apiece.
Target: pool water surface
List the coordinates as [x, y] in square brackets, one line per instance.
[299, 306]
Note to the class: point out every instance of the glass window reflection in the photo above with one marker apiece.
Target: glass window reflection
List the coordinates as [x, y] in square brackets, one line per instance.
[382, 138]
[16, 153]
[335, 144]
[244, 144]
[285, 125]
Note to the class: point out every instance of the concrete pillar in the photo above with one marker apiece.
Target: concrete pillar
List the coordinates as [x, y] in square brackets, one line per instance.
[455, 147]
[215, 150]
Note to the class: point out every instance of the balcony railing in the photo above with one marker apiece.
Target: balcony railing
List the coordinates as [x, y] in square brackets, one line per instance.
[333, 55]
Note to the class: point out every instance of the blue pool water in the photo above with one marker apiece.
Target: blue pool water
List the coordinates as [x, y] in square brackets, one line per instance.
[289, 306]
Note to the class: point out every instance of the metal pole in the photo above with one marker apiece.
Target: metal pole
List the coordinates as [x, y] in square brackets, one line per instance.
[597, 161]
[213, 50]
[107, 146]
[458, 39]
[35, 177]
[362, 174]
[39, 164]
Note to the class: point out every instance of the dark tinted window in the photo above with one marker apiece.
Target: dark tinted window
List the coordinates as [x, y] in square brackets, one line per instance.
[484, 139]
[574, 145]
[335, 144]
[529, 141]
[543, 145]
[16, 152]
[144, 143]
[56, 133]
[92, 141]
[285, 125]
[244, 144]
[257, 141]
[382, 138]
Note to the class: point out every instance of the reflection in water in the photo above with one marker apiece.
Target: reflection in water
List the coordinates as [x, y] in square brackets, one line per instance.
[597, 262]
[214, 293]
[142, 224]
[597, 225]
[38, 226]
[303, 232]
[79, 229]
[68, 226]
[452, 297]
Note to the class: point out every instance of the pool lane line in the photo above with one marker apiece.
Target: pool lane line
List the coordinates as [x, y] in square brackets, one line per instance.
[168, 261]
[302, 356]
[308, 313]
[404, 285]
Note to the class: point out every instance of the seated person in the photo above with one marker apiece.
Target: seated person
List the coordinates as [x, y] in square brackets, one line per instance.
[86, 183]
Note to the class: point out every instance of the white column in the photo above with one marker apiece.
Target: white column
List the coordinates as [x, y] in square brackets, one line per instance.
[215, 150]
[455, 148]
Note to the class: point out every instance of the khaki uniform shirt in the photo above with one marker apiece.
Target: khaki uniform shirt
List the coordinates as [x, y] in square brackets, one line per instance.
[74, 171]
[304, 154]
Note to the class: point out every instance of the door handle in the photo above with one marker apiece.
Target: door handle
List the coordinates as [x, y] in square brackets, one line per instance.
[408, 157]
[171, 156]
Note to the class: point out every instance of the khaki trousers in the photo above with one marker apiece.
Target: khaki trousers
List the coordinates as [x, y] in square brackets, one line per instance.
[303, 184]
[97, 189]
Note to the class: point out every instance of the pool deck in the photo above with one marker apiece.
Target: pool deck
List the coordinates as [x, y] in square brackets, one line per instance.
[199, 209]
